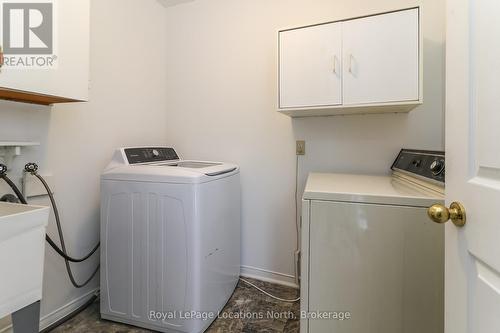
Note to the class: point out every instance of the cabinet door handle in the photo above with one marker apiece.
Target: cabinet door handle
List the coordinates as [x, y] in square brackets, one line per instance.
[334, 64]
[350, 63]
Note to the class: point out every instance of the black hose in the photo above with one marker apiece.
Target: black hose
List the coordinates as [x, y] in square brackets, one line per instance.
[65, 256]
[63, 253]
[22, 199]
[61, 237]
[15, 189]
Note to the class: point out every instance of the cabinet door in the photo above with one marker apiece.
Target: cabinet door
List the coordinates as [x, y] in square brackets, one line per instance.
[310, 66]
[381, 58]
[70, 77]
[383, 264]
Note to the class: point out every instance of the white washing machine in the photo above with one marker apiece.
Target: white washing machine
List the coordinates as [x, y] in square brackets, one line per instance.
[170, 239]
[372, 260]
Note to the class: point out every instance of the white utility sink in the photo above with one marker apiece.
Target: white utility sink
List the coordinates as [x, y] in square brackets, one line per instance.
[22, 248]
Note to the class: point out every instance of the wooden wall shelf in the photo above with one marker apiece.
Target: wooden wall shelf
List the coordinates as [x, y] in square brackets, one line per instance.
[33, 98]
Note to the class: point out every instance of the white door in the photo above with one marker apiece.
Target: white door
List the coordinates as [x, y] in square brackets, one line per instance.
[472, 282]
[381, 58]
[311, 66]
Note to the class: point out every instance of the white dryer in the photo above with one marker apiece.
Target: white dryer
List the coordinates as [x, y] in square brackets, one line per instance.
[170, 239]
[372, 260]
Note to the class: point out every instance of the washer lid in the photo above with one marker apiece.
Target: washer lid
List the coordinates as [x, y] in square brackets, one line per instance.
[182, 172]
[368, 189]
[162, 165]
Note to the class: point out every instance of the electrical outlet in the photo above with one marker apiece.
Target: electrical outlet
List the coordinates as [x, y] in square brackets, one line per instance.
[301, 147]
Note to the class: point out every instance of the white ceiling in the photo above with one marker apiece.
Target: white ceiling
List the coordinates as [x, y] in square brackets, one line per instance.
[170, 3]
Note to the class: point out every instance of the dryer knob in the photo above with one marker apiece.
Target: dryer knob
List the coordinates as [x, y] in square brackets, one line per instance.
[437, 167]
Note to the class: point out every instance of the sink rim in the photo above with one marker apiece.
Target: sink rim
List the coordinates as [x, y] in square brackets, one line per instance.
[14, 209]
[19, 218]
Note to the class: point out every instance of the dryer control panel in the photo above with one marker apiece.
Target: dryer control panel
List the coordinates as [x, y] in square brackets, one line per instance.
[424, 164]
[150, 155]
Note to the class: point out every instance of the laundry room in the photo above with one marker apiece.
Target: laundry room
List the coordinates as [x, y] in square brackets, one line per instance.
[240, 166]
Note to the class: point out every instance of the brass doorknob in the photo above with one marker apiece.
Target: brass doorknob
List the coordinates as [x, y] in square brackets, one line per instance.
[441, 214]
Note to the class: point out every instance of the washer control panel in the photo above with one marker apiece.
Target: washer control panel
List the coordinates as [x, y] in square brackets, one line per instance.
[150, 155]
[429, 165]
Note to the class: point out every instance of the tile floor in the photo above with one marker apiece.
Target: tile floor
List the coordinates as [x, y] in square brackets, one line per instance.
[244, 300]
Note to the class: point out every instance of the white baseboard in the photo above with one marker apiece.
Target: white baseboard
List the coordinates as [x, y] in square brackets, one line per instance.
[59, 313]
[65, 310]
[268, 276]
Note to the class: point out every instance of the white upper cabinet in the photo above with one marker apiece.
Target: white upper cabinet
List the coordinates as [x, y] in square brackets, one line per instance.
[381, 58]
[370, 64]
[67, 79]
[311, 66]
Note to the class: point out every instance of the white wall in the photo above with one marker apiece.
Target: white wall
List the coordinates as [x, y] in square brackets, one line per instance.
[127, 107]
[221, 98]
[210, 76]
